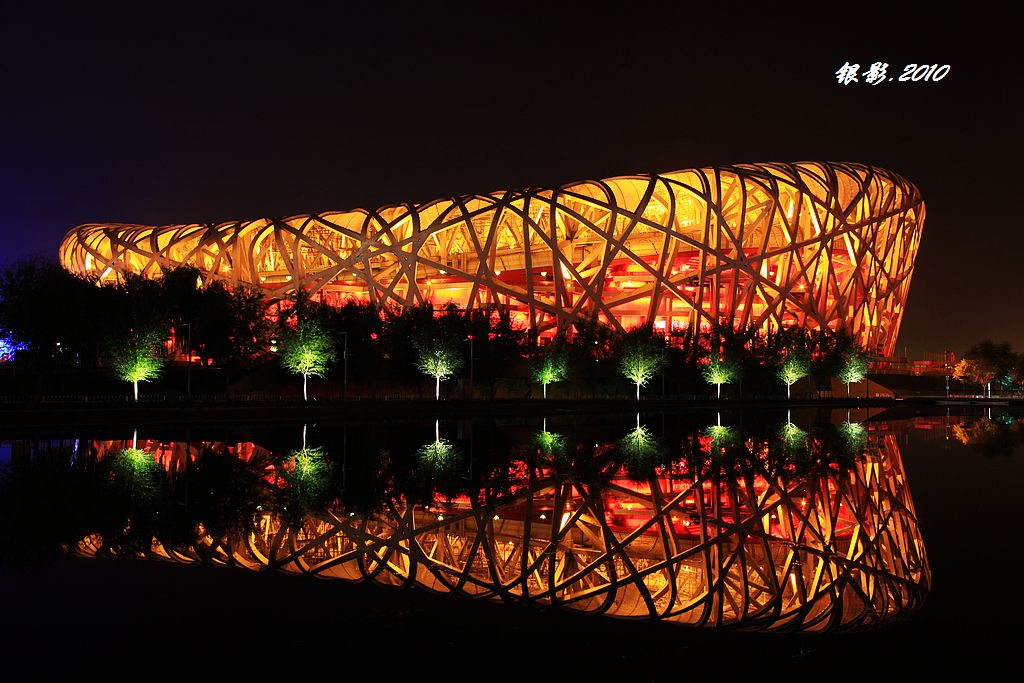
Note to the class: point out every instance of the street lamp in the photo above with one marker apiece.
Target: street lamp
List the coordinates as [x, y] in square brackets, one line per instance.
[945, 364]
[188, 364]
[469, 338]
[344, 359]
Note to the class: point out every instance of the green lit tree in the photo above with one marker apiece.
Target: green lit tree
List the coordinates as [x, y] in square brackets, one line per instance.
[135, 356]
[793, 368]
[440, 356]
[639, 361]
[308, 351]
[719, 371]
[551, 367]
[853, 368]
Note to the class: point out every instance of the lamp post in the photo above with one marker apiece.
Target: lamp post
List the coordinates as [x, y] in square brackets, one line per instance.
[469, 338]
[945, 365]
[471, 366]
[344, 358]
[188, 362]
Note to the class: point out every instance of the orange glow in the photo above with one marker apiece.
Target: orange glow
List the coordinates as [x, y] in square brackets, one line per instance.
[858, 267]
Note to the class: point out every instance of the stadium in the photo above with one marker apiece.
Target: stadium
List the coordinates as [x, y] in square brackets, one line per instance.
[810, 244]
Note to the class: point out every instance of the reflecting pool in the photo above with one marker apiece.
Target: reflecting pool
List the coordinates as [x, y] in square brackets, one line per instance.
[742, 521]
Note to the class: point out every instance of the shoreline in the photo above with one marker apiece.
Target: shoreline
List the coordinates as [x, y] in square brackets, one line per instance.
[36, 414]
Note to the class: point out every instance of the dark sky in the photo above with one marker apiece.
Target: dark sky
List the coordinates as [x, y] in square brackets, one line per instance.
[138, 116]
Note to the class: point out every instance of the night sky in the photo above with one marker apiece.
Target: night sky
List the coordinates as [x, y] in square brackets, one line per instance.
[141, 117]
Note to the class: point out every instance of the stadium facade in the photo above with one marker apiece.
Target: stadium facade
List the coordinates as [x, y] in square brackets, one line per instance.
[809, 244]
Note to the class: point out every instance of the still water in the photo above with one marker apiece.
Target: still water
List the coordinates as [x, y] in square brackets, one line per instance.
[811, 522]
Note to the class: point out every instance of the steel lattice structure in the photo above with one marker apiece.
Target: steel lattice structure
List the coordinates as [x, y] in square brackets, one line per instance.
[837, 550]
[768, 245]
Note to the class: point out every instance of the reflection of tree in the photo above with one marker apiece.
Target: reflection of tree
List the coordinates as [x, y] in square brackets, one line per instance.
[550, 444]
[642, 452]
[996, 437]
[438, 469]
[309, 483]
[225, 493]
[439, 466]
[136, 491]
[45, 505]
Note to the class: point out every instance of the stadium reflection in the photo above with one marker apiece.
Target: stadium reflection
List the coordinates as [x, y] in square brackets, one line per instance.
[777, 528]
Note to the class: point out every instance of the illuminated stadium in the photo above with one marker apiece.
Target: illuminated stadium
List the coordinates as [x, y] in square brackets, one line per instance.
[809, 244]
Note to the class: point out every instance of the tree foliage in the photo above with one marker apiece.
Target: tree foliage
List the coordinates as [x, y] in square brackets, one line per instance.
[440, 354]
[307, 350]
[552, 366]
[720, 370]
[135, 355]
[640, 357]
[987, 362]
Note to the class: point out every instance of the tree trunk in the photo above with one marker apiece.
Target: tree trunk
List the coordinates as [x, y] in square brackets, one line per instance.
[638, 391]
[545, 390]
[136, 385]
[437, 389]
[787, 391]
[305, 394]
[719, 391]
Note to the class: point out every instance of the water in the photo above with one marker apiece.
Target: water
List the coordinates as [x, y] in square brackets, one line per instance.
[696, 533]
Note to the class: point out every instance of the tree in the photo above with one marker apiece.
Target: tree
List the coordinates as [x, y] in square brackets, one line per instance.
[853, 368]
[308, 351]
[135, 358]
[551, 367]
[985, 363]
[57, 315]
[439, 356]
[640, 360]
[719, 371]
[794, 367]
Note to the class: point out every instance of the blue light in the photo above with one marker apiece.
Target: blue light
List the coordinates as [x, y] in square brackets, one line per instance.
[8, 346]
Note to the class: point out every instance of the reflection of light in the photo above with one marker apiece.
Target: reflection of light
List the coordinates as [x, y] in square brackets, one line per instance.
[565, 519]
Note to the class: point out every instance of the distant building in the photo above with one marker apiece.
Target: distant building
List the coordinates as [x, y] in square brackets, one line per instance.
[769, 245]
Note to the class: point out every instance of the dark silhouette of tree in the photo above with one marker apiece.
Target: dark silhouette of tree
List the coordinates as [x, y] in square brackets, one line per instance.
[985, 363]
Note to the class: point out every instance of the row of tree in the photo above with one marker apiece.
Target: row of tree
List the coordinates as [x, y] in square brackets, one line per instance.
[133, 327]
[53, 500]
